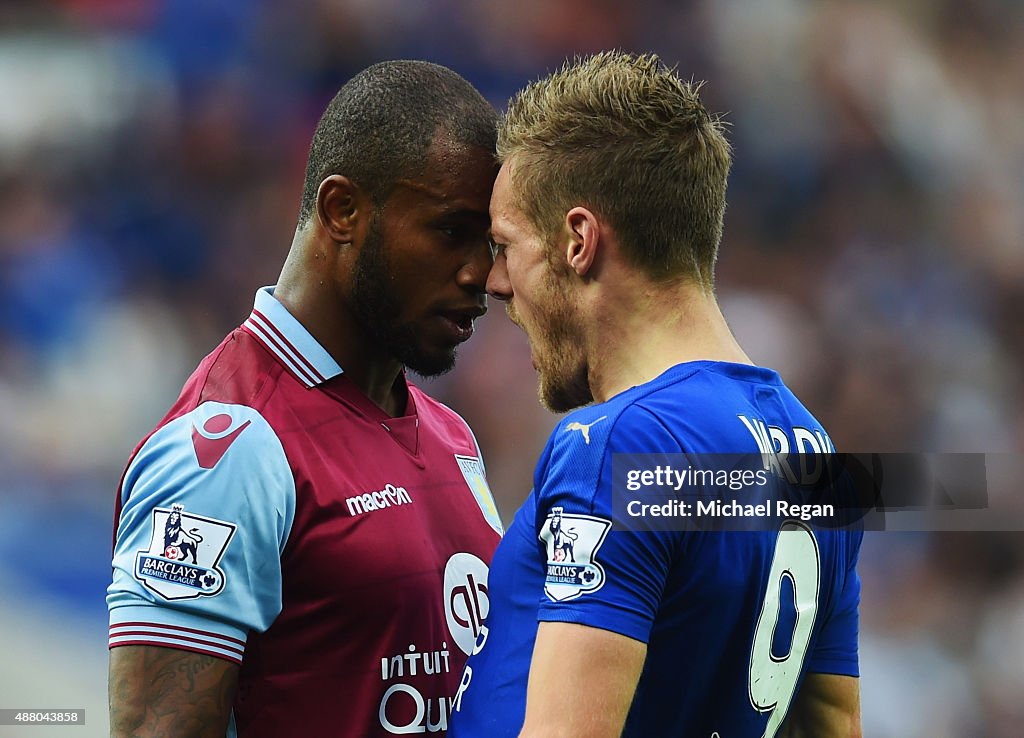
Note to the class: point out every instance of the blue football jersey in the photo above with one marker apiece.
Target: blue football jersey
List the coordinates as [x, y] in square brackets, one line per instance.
[727, 650]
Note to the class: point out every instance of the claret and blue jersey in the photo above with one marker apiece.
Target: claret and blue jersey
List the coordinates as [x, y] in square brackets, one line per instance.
[279, 519]
[733, 620]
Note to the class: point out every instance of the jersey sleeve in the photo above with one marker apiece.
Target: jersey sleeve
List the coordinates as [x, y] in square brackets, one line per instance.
[596, 576]
[835, 651]
[206, 507]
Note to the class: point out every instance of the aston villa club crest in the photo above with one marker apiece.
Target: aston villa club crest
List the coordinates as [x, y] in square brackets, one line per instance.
[182, 561]
[473, 471]
[572, 542]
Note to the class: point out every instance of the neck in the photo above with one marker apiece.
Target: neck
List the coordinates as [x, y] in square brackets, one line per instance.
[308, 288]
[633, 340]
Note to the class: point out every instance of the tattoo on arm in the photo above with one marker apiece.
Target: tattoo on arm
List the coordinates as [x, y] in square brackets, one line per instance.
[168, 693]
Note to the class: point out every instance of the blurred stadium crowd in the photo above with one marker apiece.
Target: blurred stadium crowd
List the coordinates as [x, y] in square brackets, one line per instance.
[151, 159]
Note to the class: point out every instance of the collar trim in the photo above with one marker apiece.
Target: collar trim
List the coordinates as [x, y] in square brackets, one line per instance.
[277, 329]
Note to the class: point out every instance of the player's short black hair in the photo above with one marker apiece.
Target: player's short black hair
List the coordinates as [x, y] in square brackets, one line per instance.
[379, 126]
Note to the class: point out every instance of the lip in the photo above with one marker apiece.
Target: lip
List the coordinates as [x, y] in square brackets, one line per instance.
[459, 322]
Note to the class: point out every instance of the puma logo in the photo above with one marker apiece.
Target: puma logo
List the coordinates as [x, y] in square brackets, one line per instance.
[584, 429]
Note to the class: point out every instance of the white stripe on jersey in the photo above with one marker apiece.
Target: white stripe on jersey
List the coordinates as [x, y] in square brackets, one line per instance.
[157, 634]
[291, 360]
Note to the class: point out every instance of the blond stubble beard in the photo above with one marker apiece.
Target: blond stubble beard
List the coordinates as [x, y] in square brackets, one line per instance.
[558, 355]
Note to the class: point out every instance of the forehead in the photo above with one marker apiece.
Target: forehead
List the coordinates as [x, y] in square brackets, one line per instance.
[506, 217]
[455, 175]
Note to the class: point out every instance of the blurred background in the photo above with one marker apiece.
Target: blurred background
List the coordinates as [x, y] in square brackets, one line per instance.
[151, 160]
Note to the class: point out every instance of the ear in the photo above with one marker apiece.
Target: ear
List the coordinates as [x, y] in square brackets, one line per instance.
[584, 237]
[340, 205]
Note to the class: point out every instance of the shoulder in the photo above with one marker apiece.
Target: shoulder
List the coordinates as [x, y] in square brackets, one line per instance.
[582, 448]
[214, 441]
[240, 371]
[718, 407]
[612, 427]
[219, 417]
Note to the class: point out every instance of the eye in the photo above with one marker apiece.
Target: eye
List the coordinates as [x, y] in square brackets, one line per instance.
[460, 234]
[496, 248]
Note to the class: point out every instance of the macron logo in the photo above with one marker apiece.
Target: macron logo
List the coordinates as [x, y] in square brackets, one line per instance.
[214, 438]
[390, 495]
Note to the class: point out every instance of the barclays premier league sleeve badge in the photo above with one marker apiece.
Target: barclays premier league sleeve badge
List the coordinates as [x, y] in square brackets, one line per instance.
[184, 554]
[572, 542]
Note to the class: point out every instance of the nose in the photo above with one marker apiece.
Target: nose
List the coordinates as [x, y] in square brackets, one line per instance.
[473, 274]
[498, 285]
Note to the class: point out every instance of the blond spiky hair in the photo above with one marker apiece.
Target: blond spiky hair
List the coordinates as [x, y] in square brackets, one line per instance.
[623, 135]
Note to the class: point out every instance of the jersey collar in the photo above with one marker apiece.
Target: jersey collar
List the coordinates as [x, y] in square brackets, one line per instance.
[278, 330]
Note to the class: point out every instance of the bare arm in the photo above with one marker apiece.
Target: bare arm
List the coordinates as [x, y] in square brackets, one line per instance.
[827, 706]
[169, 693]
[593, 703]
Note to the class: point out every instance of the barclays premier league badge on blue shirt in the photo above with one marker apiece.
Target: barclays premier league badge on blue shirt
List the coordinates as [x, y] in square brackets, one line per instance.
[572, 542]
[184, 552]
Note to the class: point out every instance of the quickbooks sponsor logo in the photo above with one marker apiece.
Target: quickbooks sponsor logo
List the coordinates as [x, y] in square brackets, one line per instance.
[466, 601]
[370, 501]
[407, 708]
